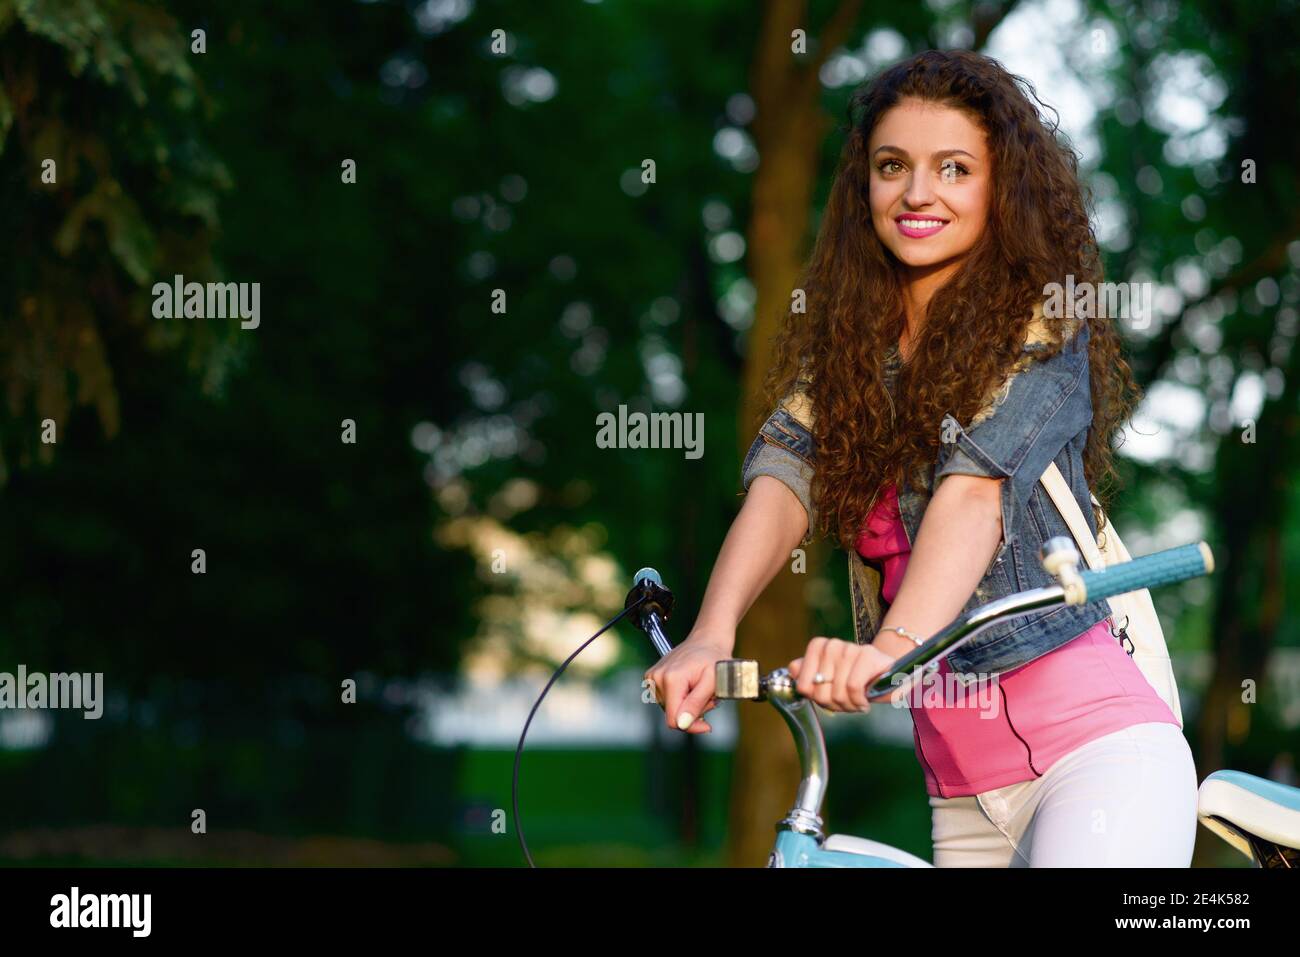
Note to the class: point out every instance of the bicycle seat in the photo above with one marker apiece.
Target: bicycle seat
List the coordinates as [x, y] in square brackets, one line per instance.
[1259, 817]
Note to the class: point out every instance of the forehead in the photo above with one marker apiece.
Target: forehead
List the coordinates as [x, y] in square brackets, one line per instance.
[921, 128]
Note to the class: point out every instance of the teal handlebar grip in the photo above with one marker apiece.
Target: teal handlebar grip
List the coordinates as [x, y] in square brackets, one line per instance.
[1149, 571]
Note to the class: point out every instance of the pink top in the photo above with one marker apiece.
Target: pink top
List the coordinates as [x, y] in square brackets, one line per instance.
[994, 733]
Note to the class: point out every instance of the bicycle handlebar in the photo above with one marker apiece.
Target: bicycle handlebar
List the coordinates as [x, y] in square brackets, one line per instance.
[1149, 571]
[1059, 557]
[739, 679]
[656, 605]
[1061, 560]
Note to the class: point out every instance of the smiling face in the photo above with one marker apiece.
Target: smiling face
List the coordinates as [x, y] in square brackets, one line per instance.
[931, 184]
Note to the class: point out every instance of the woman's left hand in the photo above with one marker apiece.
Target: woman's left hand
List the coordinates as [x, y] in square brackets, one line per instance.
[849, 668]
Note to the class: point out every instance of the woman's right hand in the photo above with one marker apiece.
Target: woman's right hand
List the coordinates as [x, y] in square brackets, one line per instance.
[683, 681]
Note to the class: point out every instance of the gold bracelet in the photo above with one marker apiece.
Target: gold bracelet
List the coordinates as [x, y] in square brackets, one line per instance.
[905, 633]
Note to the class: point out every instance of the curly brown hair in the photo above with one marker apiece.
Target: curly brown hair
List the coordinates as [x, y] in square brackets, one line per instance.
[975, 326]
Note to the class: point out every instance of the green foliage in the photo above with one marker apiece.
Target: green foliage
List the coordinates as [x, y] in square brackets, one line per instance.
[104, 91]
[319, 553]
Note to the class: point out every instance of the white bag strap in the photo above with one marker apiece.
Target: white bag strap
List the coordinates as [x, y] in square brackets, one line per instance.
[1147, 643]
[1068, 506]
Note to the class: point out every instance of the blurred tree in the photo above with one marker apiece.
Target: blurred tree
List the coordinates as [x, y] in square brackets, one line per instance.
[790, 128]
[319, 553]
[1226, 245]
[108, 184]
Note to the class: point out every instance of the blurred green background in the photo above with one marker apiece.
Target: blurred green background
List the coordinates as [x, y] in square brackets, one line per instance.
[474, 534]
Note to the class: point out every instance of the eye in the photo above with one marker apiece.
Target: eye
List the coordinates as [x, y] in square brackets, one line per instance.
[883, 166]
[949, 170]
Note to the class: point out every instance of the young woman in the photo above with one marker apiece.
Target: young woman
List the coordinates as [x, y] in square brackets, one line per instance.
[917, 402]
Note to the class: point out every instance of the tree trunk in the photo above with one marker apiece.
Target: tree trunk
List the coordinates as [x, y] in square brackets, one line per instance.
[789, 130]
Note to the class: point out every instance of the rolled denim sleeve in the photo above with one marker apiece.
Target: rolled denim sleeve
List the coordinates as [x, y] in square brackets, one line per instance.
[1029, 421]
[783, 449]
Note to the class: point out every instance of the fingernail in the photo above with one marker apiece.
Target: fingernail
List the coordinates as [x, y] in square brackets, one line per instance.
[685, 720]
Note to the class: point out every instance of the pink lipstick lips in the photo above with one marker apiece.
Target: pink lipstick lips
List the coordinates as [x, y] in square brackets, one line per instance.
[919, 226]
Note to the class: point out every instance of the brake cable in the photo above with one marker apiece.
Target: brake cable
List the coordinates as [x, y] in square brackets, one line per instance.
[514, 785]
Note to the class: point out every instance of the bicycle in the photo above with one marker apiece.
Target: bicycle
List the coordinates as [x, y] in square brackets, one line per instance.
[1258, 817]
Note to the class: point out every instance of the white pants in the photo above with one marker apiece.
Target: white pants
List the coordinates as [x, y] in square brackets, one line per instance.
[1126, 799]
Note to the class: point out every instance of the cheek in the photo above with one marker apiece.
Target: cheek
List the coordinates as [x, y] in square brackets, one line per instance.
[973, 212]
[878, 198]
[976, 209]
[886, 190]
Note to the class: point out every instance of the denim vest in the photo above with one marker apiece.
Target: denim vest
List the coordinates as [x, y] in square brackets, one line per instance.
[1040, 415]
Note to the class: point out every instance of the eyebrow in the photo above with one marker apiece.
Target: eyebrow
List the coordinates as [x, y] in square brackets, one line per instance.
[902, 152]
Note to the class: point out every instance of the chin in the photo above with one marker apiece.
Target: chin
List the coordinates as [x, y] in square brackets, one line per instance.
[918, 259]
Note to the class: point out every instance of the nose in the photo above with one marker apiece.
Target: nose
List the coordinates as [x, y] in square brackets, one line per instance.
[920, 189]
